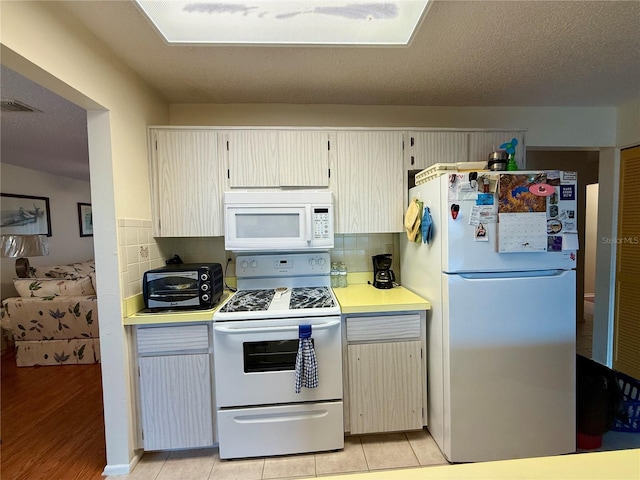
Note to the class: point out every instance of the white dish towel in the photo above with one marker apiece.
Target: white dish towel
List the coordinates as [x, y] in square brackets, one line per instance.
[306, 362]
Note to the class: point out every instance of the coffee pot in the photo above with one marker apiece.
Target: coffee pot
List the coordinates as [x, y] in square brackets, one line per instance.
[383, 276]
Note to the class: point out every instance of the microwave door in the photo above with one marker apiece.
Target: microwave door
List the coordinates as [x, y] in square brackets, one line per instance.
[278, 221]
[267, 228]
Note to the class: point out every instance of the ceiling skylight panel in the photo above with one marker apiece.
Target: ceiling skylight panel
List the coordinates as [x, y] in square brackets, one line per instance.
[286, 22]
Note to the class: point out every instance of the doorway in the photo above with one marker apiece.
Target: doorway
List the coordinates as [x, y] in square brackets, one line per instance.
[33, 397]
[586, 164]
[585, 330]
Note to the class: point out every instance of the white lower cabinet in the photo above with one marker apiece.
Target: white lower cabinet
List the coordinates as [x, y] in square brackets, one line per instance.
[386, 372]
[175, 385]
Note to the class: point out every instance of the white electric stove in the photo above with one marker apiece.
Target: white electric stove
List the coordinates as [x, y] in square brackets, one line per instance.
[256, 334]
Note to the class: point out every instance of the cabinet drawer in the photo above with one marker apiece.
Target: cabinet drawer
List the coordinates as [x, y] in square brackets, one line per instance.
[383, 328]
[152, 340]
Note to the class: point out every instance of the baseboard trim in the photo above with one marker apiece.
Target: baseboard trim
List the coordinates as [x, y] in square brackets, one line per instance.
[123, 469]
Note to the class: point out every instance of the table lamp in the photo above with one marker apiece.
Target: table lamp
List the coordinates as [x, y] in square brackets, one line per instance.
[21, 246]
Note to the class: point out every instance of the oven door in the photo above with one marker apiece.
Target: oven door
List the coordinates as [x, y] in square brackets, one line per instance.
[255, 361]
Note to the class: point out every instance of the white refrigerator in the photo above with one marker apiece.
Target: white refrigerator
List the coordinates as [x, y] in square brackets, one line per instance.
[502, 327]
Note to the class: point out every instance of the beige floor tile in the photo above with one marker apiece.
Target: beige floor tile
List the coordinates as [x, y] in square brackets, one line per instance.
[290, 466]
[351, 459]
[241, 469]
[188, 465]
[388, 451]
[425, 448]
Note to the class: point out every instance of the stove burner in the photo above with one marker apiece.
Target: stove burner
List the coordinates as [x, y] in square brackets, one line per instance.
[311, 297]
[249, 301]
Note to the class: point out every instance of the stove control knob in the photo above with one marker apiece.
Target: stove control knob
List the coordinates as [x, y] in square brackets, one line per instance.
[312, 262]
[321, 261]
[244, 264]
[254, 263]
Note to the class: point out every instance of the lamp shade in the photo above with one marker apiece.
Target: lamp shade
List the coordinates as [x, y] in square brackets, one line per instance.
[15, 246]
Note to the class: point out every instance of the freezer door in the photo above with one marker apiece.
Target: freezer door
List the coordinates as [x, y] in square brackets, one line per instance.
[510, 362]
[461, 252]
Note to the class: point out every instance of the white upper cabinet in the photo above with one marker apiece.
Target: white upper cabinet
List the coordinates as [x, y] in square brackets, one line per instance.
[481, 144]
[278, 158]
[428, 148]
[187, 181]
[368, 182]
[253, 158]
[304, 159]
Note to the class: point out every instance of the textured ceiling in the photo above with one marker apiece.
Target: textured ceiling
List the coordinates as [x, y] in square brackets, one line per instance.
[524, 53]
[53, 139]
[466, 53]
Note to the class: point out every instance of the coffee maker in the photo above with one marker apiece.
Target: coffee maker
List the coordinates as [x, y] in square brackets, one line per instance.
[383, 276]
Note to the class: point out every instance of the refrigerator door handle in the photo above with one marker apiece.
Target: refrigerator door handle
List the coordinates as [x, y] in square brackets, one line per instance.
[528, 273]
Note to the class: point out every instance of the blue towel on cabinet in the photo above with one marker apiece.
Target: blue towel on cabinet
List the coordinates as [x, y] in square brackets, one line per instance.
[306, 362]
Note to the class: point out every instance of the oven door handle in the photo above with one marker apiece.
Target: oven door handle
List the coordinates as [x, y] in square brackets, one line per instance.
[322, 326]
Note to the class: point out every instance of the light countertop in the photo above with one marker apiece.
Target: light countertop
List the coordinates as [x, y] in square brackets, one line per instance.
[613, 465]
[355, 298]
[139, 318]
[365, 298]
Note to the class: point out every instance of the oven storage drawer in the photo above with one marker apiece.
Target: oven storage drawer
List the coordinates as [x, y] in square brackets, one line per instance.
[280, 430]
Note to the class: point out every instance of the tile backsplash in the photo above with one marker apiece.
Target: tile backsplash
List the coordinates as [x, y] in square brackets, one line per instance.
[356, 250]
[139, 251]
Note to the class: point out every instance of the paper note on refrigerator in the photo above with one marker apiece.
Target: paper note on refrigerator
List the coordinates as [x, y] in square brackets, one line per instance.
[522, 232]
[570, 241]
[483, 214]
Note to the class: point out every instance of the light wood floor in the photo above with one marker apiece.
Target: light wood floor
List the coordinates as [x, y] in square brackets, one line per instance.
[52, 425]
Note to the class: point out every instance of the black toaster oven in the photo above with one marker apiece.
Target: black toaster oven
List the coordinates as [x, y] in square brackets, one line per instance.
[183, 286]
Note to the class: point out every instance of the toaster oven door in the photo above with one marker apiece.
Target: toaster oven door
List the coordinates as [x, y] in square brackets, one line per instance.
[169, 290]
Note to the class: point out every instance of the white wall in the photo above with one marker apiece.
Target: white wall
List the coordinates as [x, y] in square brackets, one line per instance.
[65, 244]
[628, 124]
[585, 127]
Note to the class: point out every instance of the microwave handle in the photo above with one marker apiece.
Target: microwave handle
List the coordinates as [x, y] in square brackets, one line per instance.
[322, 326]
[309, 224]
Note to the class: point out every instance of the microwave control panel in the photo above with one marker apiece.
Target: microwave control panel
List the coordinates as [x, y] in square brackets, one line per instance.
[321, 223]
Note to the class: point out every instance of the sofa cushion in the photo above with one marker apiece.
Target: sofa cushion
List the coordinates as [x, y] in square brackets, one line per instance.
[37, 318]
[69, 272]
[50, 287]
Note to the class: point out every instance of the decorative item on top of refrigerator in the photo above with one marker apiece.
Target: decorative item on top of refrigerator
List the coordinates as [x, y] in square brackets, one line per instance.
[535, 211]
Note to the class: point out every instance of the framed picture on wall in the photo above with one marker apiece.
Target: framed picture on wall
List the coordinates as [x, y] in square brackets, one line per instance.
[24, 215]
[85, 219]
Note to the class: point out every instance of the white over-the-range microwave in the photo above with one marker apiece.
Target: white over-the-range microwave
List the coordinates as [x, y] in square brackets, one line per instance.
[278, 221]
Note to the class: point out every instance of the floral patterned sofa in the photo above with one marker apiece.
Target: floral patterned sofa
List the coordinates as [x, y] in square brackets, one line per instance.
[55, 319]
